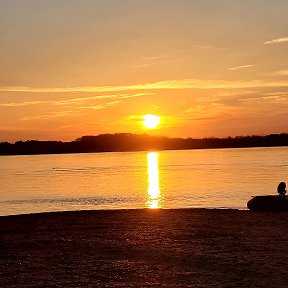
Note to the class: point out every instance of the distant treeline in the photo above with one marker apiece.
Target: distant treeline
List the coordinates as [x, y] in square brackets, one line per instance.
[131, 142]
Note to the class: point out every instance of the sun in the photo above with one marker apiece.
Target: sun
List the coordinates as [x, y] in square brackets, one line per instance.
[151, 121]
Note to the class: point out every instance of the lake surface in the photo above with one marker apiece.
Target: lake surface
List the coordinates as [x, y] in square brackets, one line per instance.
[214, 178]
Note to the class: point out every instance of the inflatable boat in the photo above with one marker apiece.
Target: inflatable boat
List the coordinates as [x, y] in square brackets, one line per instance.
[268, 203]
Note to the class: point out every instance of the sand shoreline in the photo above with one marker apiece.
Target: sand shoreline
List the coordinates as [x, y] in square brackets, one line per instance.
[119, 210]
[145, 248]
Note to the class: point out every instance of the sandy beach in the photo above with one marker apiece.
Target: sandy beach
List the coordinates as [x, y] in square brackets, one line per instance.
[145, 248]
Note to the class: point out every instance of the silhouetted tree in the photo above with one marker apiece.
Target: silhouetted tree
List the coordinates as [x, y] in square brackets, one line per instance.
[131, 142]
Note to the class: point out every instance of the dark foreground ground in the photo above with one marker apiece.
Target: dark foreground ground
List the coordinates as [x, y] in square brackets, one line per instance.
[145, 248]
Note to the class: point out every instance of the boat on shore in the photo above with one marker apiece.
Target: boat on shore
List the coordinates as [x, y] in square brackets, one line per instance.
[268, 203]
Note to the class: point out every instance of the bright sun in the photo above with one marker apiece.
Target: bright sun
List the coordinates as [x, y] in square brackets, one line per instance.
[151, 121]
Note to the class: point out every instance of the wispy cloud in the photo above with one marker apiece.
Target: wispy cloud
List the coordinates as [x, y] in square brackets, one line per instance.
[237, 93]
[21, 104]
[101, 106]
[241, 67]
[209, 111]
[74, 101]
[278, 40]
[149, 61]
[76, 112]
[208, 47]
[273, 99]
[169, 84]
[278, 73]
[279, 93]
[51, 115]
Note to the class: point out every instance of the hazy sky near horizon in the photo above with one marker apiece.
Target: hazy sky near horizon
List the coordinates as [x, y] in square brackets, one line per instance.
[83, 67]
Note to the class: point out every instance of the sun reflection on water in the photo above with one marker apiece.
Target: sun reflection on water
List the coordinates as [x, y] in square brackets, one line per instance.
[154, 193]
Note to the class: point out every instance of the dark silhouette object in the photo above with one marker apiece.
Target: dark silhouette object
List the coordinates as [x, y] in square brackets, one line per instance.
[281, 189]
[270, 202]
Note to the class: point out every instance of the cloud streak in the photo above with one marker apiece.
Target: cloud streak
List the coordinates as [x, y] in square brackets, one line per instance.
[69, 112]
[277, 41]
[101, 106]
[74, 101]
[278, 73]
[240, 67]
[160, 85]
[273, 99]
[51, 115]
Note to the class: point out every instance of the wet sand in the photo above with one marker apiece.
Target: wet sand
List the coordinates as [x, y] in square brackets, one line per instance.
[145, 248]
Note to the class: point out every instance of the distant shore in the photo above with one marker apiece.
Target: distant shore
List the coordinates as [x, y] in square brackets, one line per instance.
[127, 142]
[145, 248]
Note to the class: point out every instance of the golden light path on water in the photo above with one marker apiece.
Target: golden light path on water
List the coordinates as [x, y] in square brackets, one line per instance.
[154, 193]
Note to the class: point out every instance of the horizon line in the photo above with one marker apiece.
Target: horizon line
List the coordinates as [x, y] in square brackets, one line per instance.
[152, 136]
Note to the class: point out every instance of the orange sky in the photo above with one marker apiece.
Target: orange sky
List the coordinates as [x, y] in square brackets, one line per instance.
[208, 68]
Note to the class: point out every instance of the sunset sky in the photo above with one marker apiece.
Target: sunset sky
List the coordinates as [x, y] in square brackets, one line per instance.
[84, 67]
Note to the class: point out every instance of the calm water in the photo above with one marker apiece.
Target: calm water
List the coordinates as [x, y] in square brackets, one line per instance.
[216, 178]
